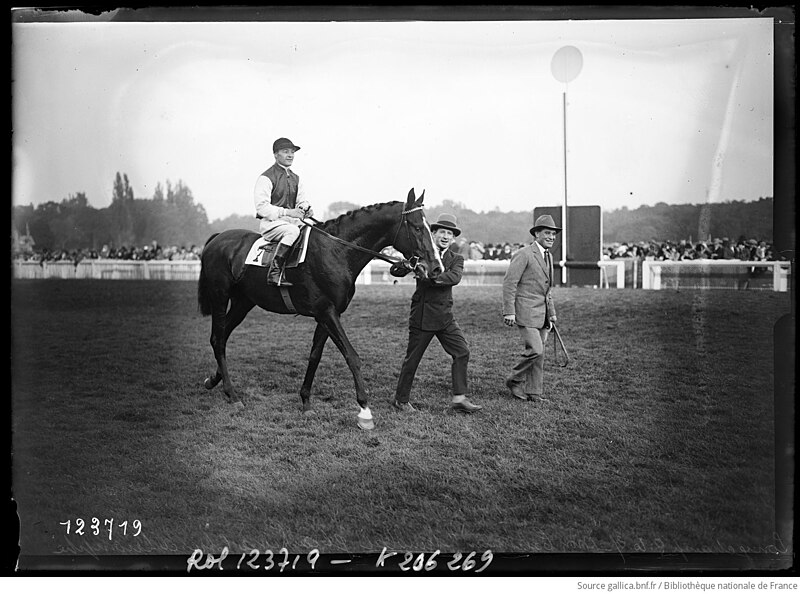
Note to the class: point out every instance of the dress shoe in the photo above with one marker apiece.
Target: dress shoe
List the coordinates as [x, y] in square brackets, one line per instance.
[466, 406]
[516, 390]
[404, 406]
[537, 398]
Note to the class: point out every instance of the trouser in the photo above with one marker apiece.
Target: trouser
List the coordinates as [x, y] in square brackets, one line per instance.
[529, 370]
[452, 340]
[285, 233]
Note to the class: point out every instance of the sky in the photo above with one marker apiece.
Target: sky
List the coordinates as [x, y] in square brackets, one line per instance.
[675, 110]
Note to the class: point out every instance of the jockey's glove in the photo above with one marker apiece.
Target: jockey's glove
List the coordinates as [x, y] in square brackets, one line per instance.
[297, 213]
[306, 208]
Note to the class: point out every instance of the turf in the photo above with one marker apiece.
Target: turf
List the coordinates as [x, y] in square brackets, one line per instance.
[659, 436]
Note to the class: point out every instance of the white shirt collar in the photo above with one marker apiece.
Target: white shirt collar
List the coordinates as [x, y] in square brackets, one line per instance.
[539, 245]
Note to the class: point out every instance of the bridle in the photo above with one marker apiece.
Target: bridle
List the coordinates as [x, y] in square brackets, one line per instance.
[403, 223]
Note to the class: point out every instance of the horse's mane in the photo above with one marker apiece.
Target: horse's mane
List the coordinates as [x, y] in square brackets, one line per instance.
[332, 226]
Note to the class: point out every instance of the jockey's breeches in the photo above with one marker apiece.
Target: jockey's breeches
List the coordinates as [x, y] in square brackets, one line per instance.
[282, 231]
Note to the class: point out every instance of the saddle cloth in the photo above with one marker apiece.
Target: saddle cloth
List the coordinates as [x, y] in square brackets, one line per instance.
[262, 251]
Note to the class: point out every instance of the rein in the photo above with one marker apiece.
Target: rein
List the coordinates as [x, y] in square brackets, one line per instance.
[373, 253]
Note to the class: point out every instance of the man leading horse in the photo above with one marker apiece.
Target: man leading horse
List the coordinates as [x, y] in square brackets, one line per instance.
[432, 315]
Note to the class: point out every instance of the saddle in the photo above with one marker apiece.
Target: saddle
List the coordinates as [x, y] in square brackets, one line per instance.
[262, 251]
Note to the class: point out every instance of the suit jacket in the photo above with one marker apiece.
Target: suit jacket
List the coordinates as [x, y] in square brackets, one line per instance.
[526, 288]
[432, 302]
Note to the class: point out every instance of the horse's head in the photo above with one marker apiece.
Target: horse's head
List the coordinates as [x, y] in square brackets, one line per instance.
[416, 242]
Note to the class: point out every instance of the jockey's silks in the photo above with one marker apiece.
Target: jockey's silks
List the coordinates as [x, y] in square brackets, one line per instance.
[284, 186]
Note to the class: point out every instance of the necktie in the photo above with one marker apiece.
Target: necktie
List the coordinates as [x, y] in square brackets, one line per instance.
[549, 263]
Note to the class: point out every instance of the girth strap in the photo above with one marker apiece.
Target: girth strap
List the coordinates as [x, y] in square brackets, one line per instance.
[287, 301]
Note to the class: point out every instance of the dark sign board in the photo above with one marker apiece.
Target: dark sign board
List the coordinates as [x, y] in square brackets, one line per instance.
[584, 237]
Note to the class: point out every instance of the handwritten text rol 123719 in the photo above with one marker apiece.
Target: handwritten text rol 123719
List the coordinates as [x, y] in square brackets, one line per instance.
[254, 560]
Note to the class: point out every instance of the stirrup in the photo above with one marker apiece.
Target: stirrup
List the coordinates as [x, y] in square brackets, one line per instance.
[282, 282]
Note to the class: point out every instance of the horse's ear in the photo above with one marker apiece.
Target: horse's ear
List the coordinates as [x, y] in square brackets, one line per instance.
[421, 198]
[411, 198]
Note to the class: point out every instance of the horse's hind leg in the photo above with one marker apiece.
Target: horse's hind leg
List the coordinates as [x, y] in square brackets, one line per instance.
[222, 325]
[320, 337]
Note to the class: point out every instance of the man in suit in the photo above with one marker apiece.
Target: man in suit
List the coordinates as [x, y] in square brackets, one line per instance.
[281, 205]
[432, 315]
[528, 304]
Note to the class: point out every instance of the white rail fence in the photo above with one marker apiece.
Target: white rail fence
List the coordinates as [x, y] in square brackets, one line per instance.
[111, 269]
[655, 275]
[476, 272]
[715, 274]
[491, 272]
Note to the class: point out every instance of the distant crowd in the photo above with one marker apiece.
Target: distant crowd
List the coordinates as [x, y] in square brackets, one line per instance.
[718, 249]
[147, 252]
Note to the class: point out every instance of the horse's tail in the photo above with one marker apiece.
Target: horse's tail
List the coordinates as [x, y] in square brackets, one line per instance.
[203, 297]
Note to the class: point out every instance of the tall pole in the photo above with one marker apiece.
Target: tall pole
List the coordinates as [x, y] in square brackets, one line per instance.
[565, 209]
[565, 66]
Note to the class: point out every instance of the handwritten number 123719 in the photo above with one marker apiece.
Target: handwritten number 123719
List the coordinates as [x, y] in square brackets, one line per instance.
[95, 526]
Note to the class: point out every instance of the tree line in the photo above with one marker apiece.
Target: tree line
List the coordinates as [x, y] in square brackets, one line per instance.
[172, 217]
[661, 222]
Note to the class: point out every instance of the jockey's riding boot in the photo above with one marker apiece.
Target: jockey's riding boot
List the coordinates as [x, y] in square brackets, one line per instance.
[276, 268]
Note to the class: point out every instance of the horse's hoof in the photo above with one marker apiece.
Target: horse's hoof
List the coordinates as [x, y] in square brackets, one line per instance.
[366, 424]
[209, 383]
[309, 413]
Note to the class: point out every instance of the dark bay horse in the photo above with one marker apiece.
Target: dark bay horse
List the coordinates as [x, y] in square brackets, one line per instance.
[322, 286]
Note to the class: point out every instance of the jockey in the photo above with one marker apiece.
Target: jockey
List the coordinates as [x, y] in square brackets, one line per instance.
[281, 205]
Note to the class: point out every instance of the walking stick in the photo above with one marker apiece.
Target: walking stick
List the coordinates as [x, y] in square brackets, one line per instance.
[556, 343]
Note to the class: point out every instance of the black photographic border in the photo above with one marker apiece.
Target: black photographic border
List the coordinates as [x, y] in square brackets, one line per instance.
[774, 563]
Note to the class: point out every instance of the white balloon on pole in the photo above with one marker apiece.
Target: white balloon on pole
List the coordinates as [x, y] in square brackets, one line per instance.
[566, 66]
[567, 63]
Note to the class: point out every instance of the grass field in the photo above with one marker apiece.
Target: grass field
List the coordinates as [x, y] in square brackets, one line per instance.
[659, 437]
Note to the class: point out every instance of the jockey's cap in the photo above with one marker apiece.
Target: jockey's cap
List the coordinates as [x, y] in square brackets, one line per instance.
[283, 143]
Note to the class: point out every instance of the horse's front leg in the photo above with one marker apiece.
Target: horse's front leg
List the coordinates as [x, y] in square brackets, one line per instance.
[317, 346]
[330, 320]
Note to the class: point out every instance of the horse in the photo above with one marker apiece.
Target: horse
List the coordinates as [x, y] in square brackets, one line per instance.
[321, 287]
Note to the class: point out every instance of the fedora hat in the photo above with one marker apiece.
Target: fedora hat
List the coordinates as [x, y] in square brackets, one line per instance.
[544, 222]
[283, 143]
[446, 221]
